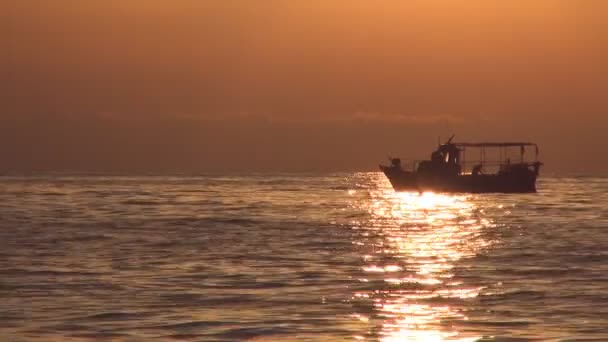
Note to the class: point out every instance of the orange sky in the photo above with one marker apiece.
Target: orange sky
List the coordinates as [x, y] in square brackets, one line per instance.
[246, 85]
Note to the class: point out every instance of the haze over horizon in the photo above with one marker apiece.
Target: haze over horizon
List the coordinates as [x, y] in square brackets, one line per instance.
[335, 85]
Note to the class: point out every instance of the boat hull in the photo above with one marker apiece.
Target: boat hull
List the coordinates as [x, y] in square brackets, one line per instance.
[520, 182]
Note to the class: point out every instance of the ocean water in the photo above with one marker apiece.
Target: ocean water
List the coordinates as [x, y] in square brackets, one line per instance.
[337, 257]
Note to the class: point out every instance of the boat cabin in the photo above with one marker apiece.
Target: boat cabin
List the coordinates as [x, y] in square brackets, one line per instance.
[479, 158]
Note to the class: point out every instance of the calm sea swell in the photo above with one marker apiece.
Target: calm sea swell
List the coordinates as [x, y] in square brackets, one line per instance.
[299, 258]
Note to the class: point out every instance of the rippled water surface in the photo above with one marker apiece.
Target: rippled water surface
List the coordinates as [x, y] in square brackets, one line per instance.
[299, 258]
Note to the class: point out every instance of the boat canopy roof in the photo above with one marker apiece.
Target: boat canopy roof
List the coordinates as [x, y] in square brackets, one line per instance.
[494, 144]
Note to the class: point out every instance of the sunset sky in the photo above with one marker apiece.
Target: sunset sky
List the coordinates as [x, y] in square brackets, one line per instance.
[296, 85]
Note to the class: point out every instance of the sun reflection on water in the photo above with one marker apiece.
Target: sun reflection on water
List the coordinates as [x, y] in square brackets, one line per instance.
[411, 244]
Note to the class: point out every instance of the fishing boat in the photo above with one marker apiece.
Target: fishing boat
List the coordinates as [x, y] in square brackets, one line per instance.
[448, 170]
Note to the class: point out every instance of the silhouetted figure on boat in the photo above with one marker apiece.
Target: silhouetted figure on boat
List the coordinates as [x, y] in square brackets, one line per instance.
[476, 170]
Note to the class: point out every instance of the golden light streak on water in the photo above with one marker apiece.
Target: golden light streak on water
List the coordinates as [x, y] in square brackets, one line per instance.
[411, 244]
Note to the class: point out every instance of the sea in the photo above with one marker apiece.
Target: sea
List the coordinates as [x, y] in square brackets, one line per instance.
[299, 257]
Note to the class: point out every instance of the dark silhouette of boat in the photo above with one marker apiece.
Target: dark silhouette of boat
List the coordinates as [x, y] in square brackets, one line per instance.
[448, 171]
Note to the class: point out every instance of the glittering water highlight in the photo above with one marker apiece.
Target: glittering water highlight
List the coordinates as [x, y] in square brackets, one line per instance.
[299, 258]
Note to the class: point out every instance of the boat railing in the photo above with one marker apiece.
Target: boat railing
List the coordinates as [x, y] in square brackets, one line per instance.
[492, 165]
[468, 165]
